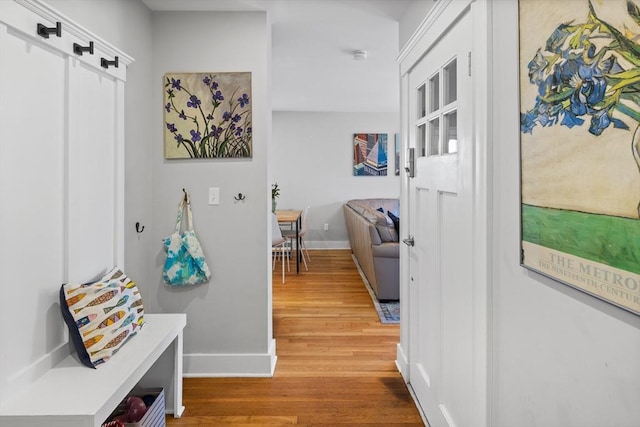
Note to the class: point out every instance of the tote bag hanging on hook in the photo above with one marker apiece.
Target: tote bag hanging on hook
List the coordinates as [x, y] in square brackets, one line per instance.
[185, 264]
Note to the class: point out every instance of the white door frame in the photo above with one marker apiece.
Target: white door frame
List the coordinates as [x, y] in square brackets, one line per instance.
[444, 14]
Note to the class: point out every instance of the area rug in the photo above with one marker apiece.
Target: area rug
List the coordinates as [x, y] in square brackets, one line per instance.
[388, 312]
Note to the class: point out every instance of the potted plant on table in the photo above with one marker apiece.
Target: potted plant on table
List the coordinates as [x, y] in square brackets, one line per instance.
[275, 193]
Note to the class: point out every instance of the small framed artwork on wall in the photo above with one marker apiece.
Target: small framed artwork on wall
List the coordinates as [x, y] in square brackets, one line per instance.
[207, 115]
[396, 140]
[369, 154]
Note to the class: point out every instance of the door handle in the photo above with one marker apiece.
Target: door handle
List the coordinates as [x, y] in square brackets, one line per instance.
[410, 163]
[408, 241]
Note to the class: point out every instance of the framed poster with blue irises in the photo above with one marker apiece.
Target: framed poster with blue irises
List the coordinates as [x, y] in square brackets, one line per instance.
[579, 145]
[207, 115]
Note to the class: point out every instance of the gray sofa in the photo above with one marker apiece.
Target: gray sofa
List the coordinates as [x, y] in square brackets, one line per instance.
[374, 242]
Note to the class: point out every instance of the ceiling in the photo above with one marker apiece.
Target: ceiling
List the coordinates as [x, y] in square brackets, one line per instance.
[313, 44]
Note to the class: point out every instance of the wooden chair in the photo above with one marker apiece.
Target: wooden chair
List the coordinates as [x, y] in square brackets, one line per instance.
[291, 235]
[278, 244]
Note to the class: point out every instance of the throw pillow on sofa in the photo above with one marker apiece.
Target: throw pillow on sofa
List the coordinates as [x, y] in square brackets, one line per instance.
[385, 227]
[101, 316]
[395, 220]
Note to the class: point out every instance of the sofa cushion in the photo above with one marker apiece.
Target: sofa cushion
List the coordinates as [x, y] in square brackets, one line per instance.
[374, 210]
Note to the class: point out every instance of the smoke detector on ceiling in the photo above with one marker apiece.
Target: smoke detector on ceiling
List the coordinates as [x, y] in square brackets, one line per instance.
[359, 55]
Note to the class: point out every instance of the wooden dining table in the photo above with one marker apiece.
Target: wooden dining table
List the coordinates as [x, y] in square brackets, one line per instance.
[292, 216]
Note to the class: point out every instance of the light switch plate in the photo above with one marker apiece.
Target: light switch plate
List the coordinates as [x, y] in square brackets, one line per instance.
[214, 195]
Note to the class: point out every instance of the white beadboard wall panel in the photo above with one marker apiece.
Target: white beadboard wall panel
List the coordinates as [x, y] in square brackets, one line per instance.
[62, 132]
[32, 241]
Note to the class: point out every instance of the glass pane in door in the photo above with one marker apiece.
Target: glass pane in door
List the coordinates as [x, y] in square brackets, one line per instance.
[450, 82]
[450, 143]
[434, 93]
[421, 137]
[422, 102]
[434, 137]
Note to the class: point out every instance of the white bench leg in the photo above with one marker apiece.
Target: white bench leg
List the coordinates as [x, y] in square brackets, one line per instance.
[177, 379]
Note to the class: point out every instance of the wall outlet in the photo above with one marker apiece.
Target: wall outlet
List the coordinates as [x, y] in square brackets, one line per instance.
[326, 227]
[214, 195]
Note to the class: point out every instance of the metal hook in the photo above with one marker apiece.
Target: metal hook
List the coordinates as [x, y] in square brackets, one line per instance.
[138, 228]
[186, 195]
[240, 197]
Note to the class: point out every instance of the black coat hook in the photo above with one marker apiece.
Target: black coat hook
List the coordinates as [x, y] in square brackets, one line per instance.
[79, 50]
[240, 197]
[138, 228]
[44, 31]
[106, 64]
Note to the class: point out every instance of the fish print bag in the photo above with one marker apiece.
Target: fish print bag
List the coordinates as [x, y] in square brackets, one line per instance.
[185, 263]
[102, 315]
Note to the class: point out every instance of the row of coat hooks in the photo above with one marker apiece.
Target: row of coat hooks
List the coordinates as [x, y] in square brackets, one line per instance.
[44, 32]
[239, 197]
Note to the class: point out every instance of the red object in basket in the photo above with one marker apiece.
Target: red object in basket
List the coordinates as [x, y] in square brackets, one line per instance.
[114, 423]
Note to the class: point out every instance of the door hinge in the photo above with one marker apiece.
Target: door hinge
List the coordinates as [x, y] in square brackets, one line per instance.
[469, 64]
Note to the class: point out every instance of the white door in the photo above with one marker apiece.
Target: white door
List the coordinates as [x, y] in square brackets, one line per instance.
[440, 199]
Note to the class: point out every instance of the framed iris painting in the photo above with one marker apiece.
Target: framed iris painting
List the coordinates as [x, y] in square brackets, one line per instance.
[207, 115]
[579, 133]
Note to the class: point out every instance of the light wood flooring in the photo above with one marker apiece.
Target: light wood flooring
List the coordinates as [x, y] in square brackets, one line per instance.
[335, 360]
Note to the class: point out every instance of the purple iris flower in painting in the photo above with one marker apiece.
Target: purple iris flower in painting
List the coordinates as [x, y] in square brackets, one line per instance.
[216, 131]
[243, 100]
[237, 118]
[175, 83]
[599, 122]
[527, 122]
[238, 131]
[226, 116]
[168, 107]
[574, 88]
[195, 136]
[206, 80]
[179, 138]
[570, 120]
[589, 91]
[218, 96]
[172, 127]
[182, 115]
[193, 102]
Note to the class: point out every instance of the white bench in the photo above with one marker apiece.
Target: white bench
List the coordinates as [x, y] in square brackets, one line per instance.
[73, 395]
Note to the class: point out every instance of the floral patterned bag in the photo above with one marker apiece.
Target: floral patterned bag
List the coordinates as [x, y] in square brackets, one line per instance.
[185, 263]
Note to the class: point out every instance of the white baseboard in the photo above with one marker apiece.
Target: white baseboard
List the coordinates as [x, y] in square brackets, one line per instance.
[231, 365]
[322, 244]
[402, 363]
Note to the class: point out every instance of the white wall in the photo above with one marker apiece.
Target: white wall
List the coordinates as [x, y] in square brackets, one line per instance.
[412, 18]
[127, 25]
[228, 319]
[312, 162]
[560, 357]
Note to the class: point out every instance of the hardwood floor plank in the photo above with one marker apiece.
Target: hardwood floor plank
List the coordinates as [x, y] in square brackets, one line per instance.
[335, 360]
